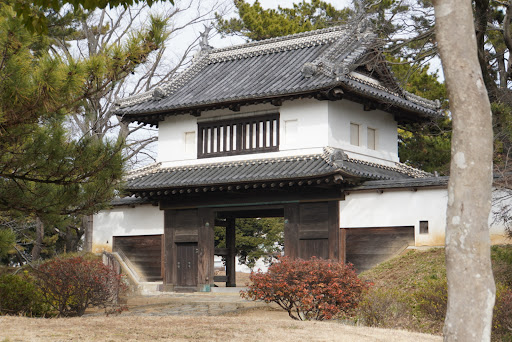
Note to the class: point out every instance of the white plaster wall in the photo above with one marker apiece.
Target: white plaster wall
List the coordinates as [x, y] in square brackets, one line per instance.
[312, 124]
[317, 124]
[408, 208]
[398, 208]
[123, 221]
[171, 138]
[310, 115]
[343, 113]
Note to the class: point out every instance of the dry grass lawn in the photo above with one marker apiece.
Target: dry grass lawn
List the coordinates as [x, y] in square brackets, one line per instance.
[258, 325]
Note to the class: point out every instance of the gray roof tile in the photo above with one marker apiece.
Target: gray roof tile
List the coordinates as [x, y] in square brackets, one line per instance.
[271, 68]
[403, 183]
[331, 162]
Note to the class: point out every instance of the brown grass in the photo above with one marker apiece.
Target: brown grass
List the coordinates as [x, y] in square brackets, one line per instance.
[260, 325]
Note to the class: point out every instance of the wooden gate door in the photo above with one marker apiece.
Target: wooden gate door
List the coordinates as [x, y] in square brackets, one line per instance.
[187, 263]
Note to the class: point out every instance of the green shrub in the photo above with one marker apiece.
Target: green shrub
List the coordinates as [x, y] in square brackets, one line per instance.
[502, 315]
[502, 253]
[20, 296]
[313, 289]
[432, 298]
[384, 308]
[72, 284]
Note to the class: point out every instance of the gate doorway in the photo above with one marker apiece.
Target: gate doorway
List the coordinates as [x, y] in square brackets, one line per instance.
[310, 229]
[246, 233]
[186, 264]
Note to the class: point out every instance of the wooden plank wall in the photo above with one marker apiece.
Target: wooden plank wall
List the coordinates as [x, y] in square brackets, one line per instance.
[367, 247]
[144, 251]
[312, 229]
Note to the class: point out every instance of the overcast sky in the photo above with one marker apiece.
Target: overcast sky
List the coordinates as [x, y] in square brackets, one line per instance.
[216, 41]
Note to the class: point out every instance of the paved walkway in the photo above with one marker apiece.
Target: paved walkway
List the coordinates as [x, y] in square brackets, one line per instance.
[189, 304]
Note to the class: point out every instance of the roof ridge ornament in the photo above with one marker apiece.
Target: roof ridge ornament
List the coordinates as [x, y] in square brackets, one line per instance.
[158, 93]
[203, 41]
[340, 59]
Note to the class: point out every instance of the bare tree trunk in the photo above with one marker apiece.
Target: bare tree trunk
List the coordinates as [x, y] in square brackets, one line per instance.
[471, 289]
[36, 250]
[87, 228]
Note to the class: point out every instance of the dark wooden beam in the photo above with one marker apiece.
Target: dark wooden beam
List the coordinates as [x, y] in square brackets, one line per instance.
[235, 107]
[277, 102]
[291, 230]
[247, 197]
[259, 211]
[230, 258]
[343, 245]
[333, 224]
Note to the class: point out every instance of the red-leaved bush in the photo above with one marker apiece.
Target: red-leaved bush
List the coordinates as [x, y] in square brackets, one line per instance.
[308, 289]
[72, 284]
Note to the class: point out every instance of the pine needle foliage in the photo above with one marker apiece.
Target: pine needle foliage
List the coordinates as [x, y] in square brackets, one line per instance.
[43, 168]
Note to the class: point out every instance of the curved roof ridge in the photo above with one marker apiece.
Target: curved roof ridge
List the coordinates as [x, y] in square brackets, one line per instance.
[159, 92]
[414, 172]
[305, 34]
[399, 167]
[132, 174]
[336, 157]
[278, 44]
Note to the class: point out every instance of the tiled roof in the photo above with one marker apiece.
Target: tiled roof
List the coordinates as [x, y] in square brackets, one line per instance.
[403, 183]
[331, 162]
[278, 67]
[129, 201]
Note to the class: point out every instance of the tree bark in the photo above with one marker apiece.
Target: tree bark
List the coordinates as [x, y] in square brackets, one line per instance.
[87, 229]
[471, 289]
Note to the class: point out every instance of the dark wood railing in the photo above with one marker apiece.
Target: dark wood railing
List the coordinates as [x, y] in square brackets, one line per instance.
[239, 136]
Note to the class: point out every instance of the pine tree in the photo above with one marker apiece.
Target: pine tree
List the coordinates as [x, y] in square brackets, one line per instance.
[257, 23]
[46, 172]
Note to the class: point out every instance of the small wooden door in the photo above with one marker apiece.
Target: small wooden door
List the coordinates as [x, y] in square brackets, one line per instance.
[187, 263]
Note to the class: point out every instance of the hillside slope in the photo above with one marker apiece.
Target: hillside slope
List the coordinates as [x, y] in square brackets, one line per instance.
[410, 292]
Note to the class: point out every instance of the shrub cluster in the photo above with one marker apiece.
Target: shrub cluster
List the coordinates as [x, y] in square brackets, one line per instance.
[20, 296]
[71, 285]
[384, 308]
[502, 315]
[65, 286]
[432, 299]
[313, 289]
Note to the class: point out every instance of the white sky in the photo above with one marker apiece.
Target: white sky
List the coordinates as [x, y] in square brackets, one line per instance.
[215, 40]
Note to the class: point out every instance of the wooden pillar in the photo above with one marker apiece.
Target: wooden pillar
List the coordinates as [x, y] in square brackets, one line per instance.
[291, 230]
[333, 222]
[170, 276]
[206, 249]
[230, 258]
[343, 245]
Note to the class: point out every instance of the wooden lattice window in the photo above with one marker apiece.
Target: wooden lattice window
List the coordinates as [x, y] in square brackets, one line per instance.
[239, 136]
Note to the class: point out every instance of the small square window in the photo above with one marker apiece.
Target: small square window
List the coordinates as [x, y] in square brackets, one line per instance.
[371, 138]
[423, 227]
[354, 134]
